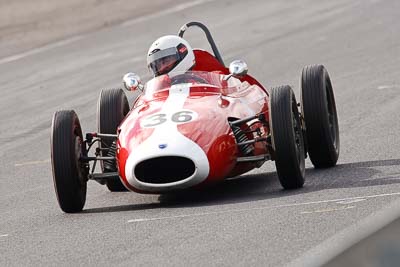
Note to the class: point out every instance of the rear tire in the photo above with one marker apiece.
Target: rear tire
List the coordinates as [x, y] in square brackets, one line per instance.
[287, 137]
[112, 108]
[69, 175]
[320, 116]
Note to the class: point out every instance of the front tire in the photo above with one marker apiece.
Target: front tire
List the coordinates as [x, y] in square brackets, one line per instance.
[69, 174]
[320, 116]
[287, 137]
[112, 108]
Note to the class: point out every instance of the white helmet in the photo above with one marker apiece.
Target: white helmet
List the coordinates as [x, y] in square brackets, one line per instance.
[170, 53]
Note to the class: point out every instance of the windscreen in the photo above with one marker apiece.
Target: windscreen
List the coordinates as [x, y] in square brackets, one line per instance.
[197, 80]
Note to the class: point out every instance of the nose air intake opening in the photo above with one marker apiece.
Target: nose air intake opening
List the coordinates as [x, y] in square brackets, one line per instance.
[163, 170]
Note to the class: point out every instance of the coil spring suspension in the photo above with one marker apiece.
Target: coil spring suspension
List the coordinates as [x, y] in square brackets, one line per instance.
[240, 136]
[110, 164]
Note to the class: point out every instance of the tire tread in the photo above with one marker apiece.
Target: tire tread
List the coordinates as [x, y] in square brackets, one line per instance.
[315, 109]
[112, 108]
[289, 171]
[71, 193]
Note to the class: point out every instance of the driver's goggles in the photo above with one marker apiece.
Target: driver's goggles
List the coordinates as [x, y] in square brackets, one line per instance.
[172, 51]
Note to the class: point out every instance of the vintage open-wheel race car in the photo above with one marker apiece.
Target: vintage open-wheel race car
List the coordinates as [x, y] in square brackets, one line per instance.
[193, 129]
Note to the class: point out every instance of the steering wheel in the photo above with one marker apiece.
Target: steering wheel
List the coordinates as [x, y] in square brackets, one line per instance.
[186, 78]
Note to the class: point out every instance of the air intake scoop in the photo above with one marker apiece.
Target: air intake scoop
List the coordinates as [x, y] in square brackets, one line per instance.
[167, 169]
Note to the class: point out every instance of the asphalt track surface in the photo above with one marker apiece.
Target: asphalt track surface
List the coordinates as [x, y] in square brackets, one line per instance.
[248, 221]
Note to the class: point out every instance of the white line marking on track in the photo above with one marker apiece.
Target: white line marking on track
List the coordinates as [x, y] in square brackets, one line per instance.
[350, 201]
[342, 199]
[180, 216]
[327, 210]
[383, 87]
[37, 162]
[4, 235]
[140, 220]
[355, 199]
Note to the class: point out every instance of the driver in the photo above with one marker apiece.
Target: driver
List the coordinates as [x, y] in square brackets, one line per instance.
[170, 53]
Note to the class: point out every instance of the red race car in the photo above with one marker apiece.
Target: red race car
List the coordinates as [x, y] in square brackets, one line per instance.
[195, 128]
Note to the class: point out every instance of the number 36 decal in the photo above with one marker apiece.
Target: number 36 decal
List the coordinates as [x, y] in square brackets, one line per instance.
[179, 117]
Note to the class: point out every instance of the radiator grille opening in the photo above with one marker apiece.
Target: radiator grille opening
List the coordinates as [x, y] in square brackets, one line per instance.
[163, 170]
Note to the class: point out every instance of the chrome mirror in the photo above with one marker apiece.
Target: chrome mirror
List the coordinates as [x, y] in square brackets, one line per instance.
[238, 68]
[132, 82]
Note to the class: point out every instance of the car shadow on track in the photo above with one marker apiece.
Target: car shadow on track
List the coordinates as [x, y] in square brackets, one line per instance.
[359, 174]
[122, 208]
[253, 187]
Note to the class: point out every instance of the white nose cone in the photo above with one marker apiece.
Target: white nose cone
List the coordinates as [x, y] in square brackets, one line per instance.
[186, 161]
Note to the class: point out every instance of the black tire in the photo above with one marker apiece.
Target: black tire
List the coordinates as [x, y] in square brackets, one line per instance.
[287, 137]
[320, 116]
[112, 108]
[69, 175]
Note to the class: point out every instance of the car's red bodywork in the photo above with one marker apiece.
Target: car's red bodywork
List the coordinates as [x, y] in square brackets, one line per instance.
[210, 130]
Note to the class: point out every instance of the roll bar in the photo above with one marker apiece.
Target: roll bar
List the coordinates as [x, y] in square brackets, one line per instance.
[208, 35]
